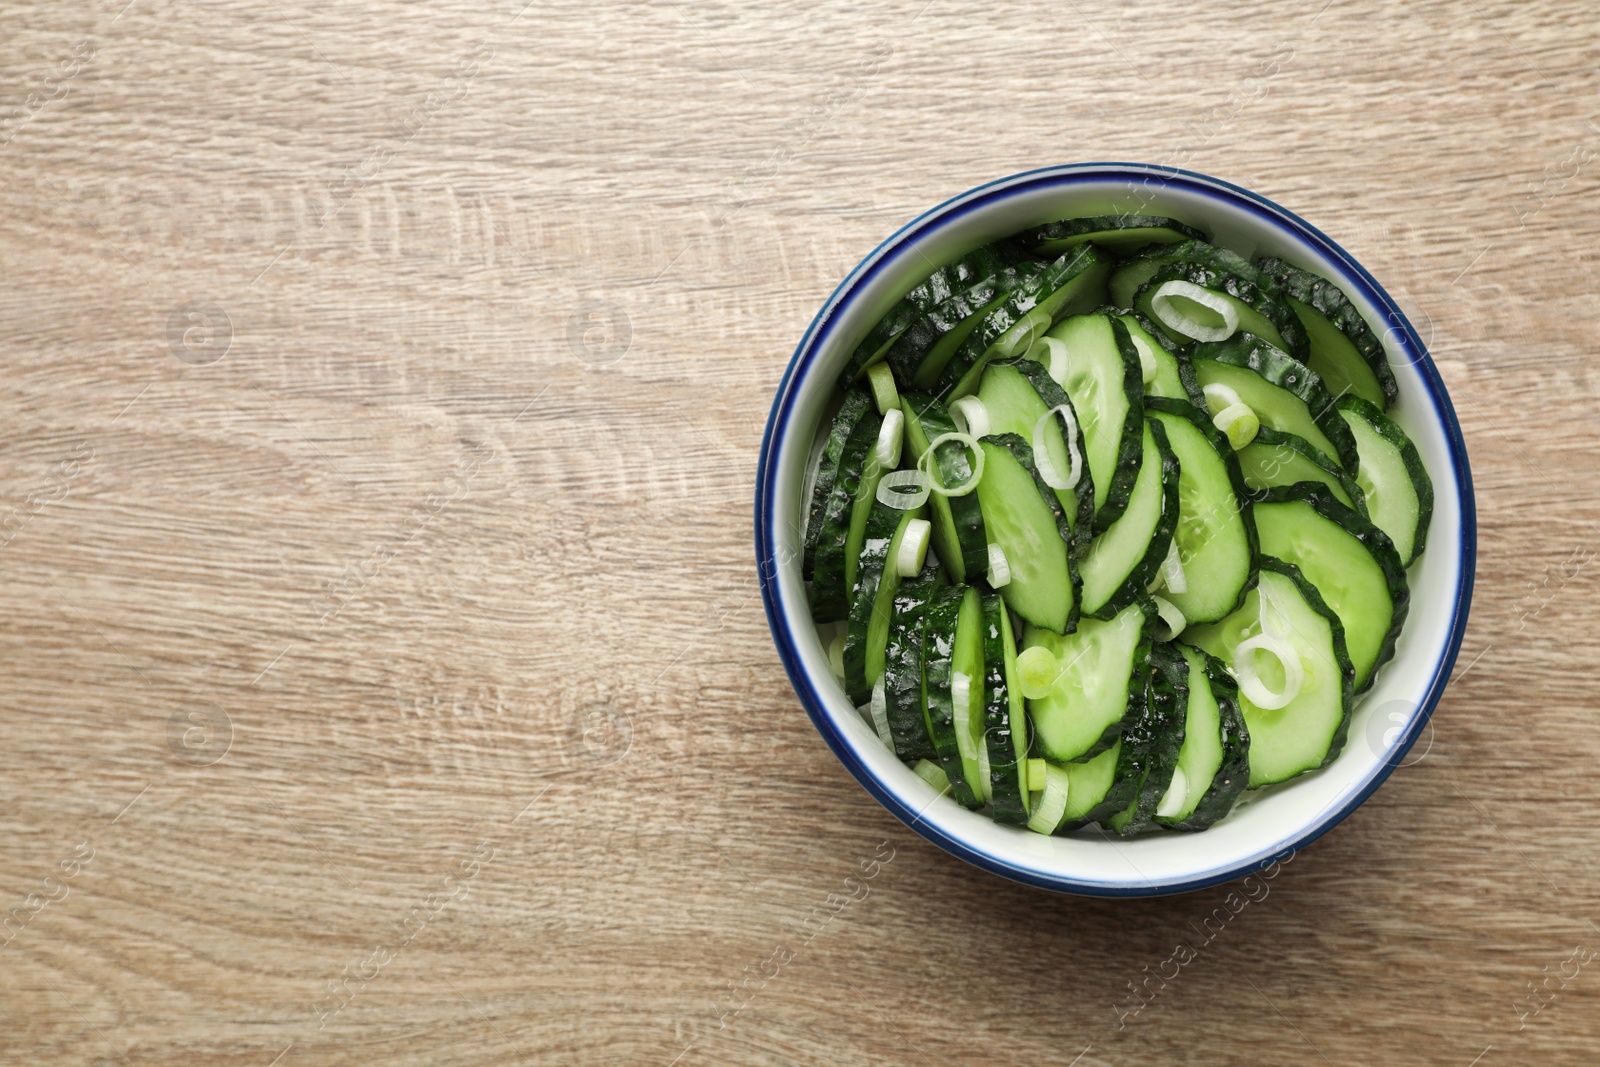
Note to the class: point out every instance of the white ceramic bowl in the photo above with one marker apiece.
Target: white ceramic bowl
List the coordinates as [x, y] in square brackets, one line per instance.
[1270, 822]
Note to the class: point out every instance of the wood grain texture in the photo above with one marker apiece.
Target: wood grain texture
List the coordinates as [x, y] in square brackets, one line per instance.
[401, 672]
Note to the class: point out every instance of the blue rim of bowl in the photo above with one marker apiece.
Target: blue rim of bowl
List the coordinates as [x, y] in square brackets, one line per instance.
[805, 354]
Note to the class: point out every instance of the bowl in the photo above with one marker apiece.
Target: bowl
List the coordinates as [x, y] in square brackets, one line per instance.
[1269, 824]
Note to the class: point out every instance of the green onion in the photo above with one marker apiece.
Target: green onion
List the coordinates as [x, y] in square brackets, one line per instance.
[925, 465]
[1173, 799]
[1036, 774]
[1231, 415]
[1239, 423]
[913, 551]
[1172, 620]
[902, 490]
[890, 439]
[1053, 353]
[881, 378]
[1147, 358]
[1181, 306]
[971, 416]
[999, 567]
[1251, 684]
[879, 709]
[1037, 668]
[1050, 808]
[1172, 576]
[1041, 454]
[933, 774]
[1024, 334]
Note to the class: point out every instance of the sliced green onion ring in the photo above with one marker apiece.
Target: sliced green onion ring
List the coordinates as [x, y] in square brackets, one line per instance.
[933, 774]
[1219, 396]
[1172, 620]
[891, 438]
[1051, 808]
[1164, 302]
[903, 490]
[1037, 668]
[925, 464]
[1053, 353]
[1250, 683]
[1172, 576]
[999, 567]
[1041, 454]
[1239, 423]
[1023, 335]
[879, 709]
[1036, 769]
[1147, 358]
[913, 551]
[971, 416]
[1172, 800]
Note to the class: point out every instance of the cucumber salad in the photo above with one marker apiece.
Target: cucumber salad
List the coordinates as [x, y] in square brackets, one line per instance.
[1107, 525]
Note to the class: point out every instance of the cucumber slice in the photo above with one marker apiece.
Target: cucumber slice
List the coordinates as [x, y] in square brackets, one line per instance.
[1174, 378]
[872, 599]
[1073, 283]
[1129, 277]
[1120, 234]
[1275, 459]
[1251, 291]
[903, 683]
[1344, 350]
[1022, 515]
[1215, 536]
[939, 331]
[1335, 359]
[1127, 776]
[844, 520]
[958, 536]
[872, 472]
[967, 660]
[1121, 563]
[1017, 394]
[1307, 732]
[1100, 677]
[1089, 782]
[1395, 485]
[1151, 743]
[1102, 376]
[1283, 392]
[850, 411]
[1215, 758]
[933, 290]
[1253, 296]
[941, 639]
[1206, 254]
[1351, 562]
[1005, 724]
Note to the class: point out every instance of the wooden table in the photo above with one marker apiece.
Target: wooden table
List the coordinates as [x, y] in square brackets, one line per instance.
[387, 680]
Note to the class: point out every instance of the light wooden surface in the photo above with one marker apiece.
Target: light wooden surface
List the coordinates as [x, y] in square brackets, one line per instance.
[394, 688]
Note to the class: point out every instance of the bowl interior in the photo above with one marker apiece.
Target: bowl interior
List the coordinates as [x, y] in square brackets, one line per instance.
[1387, 718]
